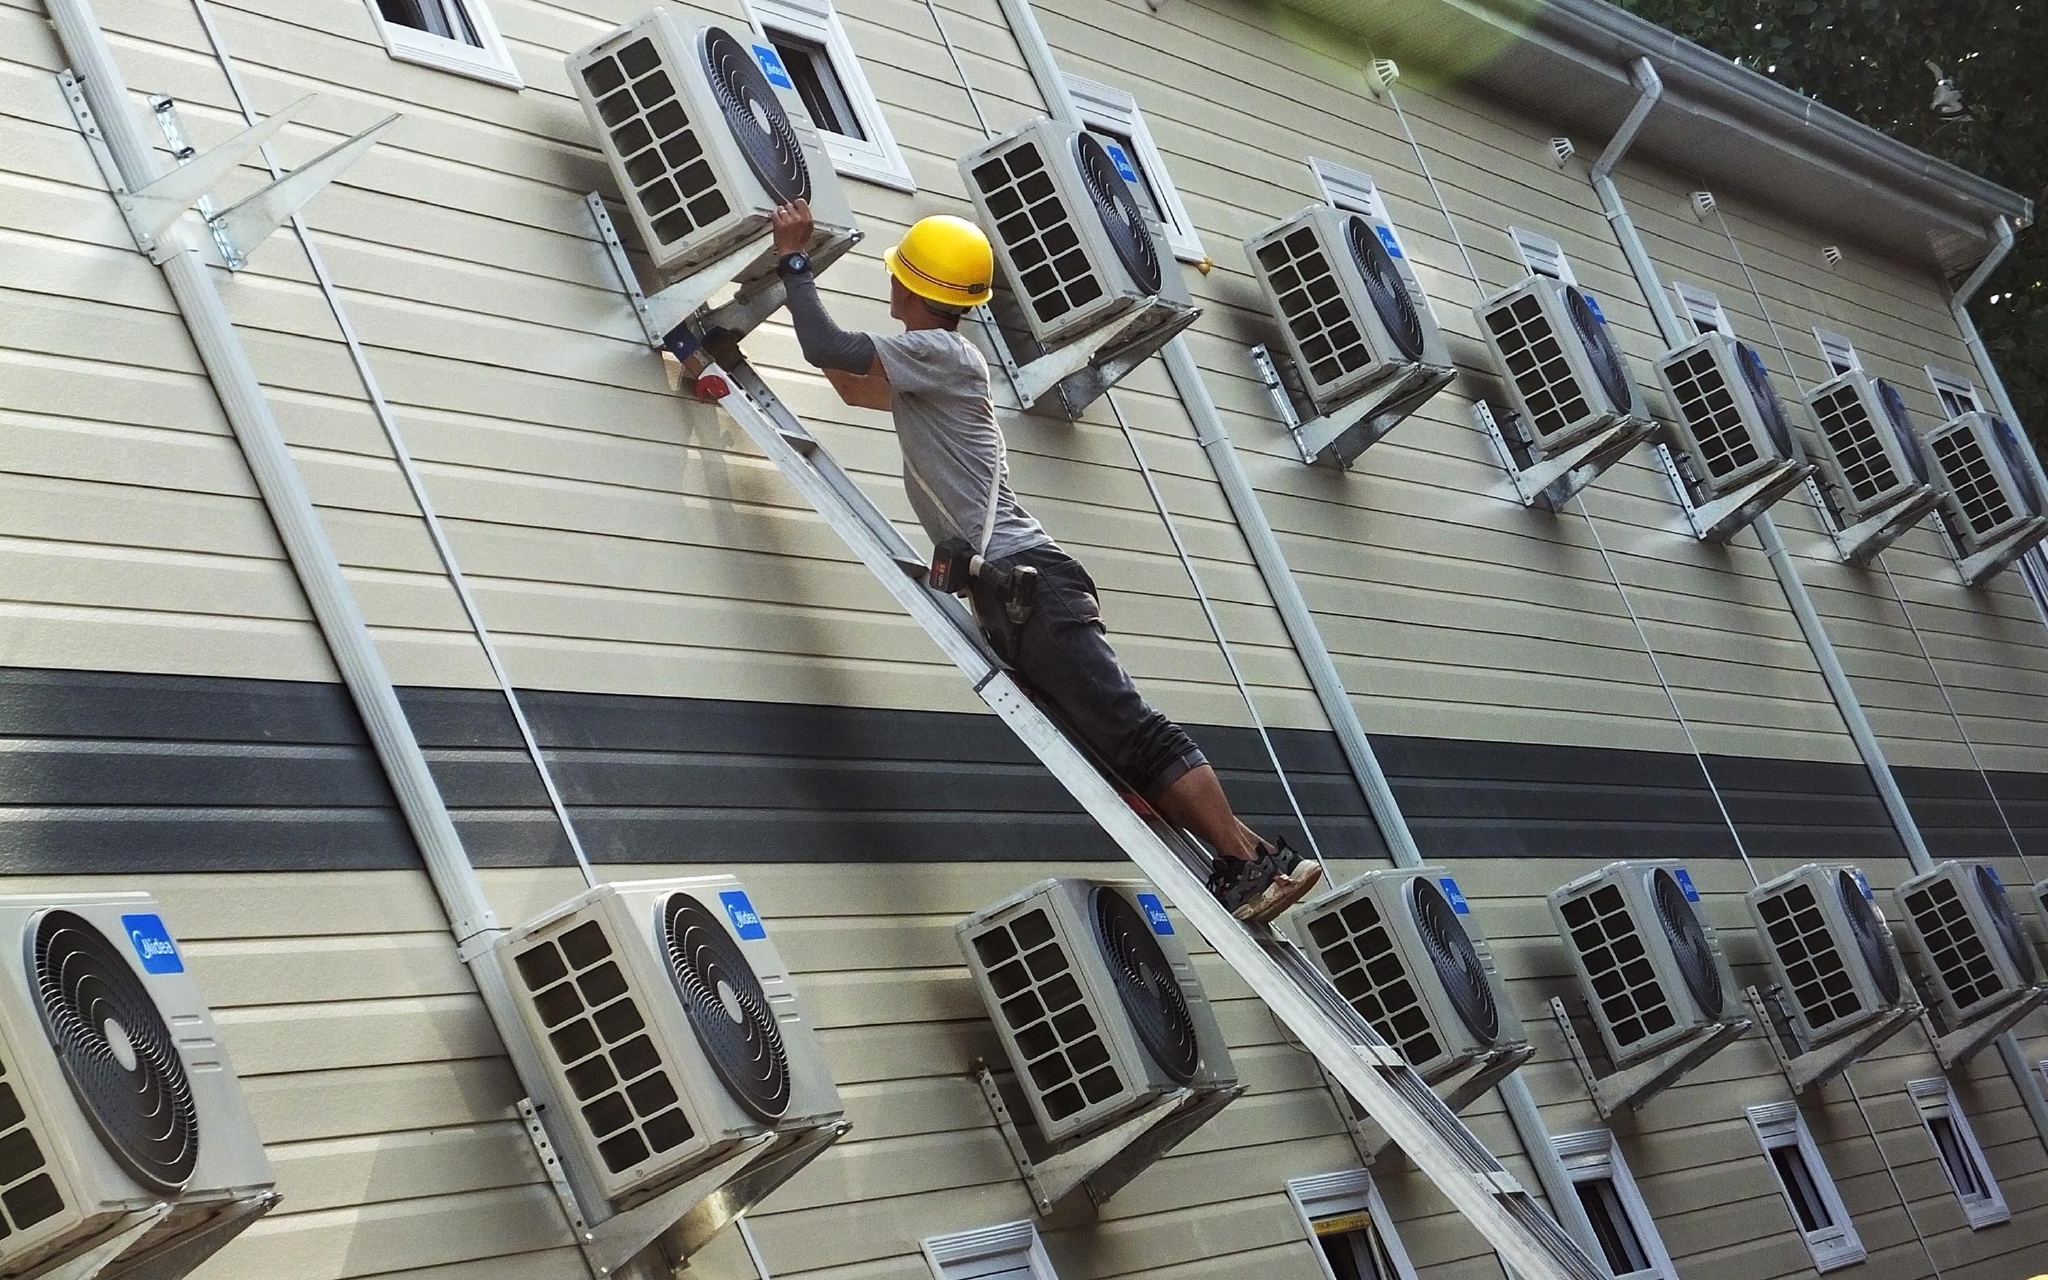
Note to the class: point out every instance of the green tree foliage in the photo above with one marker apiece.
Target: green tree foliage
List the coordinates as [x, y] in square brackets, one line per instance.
[1867, 58]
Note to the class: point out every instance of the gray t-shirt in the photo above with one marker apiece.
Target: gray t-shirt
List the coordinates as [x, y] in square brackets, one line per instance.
[952, 447]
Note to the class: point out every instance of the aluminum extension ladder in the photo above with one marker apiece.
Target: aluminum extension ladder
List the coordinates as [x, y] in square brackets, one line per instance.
[1527, 1238]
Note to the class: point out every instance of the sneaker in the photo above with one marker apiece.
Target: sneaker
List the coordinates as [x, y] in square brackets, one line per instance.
[1244, 888]
[1292, 877]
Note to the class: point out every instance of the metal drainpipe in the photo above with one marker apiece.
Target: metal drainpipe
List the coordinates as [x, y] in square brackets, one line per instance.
[305, 542]
[1780, 557]
[1214, 438]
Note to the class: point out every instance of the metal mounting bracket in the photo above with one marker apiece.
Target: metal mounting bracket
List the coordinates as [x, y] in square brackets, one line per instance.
[1106, 1163]
[681, 1220]
[1726, 516]
[1812, 1068]
[1548, 483]
[1338, 437]
[1959, 1046]
[176, 1258]
[1632, 1089]
[1467, 1088]
[97, 1259]
[1978, 569]
[1090, 365]
[1859, 543]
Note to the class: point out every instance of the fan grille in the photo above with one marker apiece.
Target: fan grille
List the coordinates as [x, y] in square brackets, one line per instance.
[759, 125]
[623, 1089]
[1123, 220]
[727, 1007]
[1533, 358]
[1457, 962]
[1036, 230]
[116, 1051]
[1901, 420]
[1328, 343]
[1810, 955]
[1689, 944]
[1711, 412]
[1358, 951]
[1867, 470]
[1871, 938]
[1979, 501]
[27, 1192]
[2011, 933]
[1953, 945]
[1608, 365]
[667, 173]
[1623, 981]
[1145, 982]
[2015, 455]
[1386, 288]
[1051, 1028]
[1765, 394]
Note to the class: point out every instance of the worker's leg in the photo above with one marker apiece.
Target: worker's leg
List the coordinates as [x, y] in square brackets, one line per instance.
[1195, 801]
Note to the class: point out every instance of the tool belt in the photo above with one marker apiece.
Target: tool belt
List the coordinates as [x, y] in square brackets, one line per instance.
[955, 564]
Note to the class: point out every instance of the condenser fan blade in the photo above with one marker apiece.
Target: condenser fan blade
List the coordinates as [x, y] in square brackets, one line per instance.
[1123, 221]
[1870, 937]
[727, 1007]
[754, 114]
[1145, 982]
[1384, 285]
[2011, 933]
[1765, 394]
[1608, 365]
[1456, 960]
[1689, 943]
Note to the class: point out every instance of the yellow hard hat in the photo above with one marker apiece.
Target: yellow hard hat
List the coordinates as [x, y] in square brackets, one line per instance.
[944, 259]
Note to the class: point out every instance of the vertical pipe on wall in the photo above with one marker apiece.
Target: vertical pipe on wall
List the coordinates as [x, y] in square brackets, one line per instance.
[1295, 615]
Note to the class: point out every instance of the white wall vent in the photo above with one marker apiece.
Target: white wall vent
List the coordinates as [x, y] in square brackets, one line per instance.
[1828, 949]
[1991, 488]
[1651, 968]
[670, 1027]
[1074, 245]
[1403, 947]
[1567, 378]
[703, 145]
[1977, 953]
[1866, 448]
[1095, 1001]
[1731, 426]
[115, 1089]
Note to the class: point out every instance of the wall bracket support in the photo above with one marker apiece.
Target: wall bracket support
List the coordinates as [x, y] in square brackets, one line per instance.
[1103, 1165]
[1724, 517]
[1812, 1068]
[1467, 1088]
[1549, 483]
[1859, 543]
[1632, 1088]
[1978, 569]
[1337, 437]
[1964, 1043]
[1084, 369]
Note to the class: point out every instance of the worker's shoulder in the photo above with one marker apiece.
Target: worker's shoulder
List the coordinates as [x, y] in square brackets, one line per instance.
[938, 347]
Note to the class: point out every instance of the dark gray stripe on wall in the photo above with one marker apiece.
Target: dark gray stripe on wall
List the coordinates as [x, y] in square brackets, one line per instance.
[1959, 817]
[104, 773]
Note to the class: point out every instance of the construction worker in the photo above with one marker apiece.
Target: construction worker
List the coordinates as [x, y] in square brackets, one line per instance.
[936, 385]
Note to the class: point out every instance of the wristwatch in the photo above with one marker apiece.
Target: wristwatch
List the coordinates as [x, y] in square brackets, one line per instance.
[793, 264]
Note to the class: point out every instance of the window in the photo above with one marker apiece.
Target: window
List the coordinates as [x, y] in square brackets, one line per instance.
[1622, 1227]
[1352, 1232]
[1804, 1182]
[1703, 309]
[1542, 255]
[1009, 1252]
[1112, 116]
[449, 35]
[1839, 352]
[1961, 1158]
[816, 59]
[1958, 395]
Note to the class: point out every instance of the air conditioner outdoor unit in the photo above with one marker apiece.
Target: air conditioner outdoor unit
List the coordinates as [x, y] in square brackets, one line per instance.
[703, 146]
[1097, 1006]
[1651, 969]
[1074, 245]
[1403, 948]
[1567, 378]
[1351, 312]
[669, 1027]
[1977, 952]
[1868, 453]
[1828, 949]
[1990, 487]
[1730, 424]
[116, 1093]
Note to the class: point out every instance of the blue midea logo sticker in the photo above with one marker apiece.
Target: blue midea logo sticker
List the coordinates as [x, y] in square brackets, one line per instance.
[778, 75]
[1387, 239]
[152, 942]
[1593, 305]
[1684, 879]
[1457, 899]
[1122, 161]
[1863, 883]
[745, 920]
[1155, 911]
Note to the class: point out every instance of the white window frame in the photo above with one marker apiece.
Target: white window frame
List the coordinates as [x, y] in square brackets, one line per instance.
[966, 1254]
[1592, 1156]
[1949, 385]
[877, 159]
[1102, 106]
[1837, 351]
[492, 63]
[1343, 1194]
[1701, 309]
[1542, 256]
[1935, 1099]
[1778, 1126]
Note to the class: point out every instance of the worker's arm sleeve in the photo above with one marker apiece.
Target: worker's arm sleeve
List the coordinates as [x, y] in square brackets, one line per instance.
[824, 343]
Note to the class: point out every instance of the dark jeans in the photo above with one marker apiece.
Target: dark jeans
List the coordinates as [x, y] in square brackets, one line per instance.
[1063, 652]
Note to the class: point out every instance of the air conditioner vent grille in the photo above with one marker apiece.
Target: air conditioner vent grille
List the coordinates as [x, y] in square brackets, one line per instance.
[727, 1007]
[623, 1089]
[1313, 307]
[1122, 219]
[1365, 965]
[1846, 425]
[1383, 283]
[1036, 227]
[1711, 412]
[1456, 960]
[1608, 364]
[2011, 933]
[754, 114]
[1047, 1011]
[27, 1191]
[1978, 495]
[1871, 938]
[1535, 361]
[1820, 983]
[1689, 945]
[1623, 979]
[1144, 981]
[657, 142]
[1954, 947]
